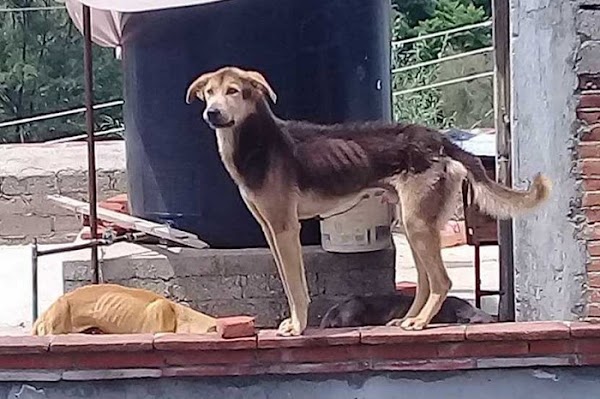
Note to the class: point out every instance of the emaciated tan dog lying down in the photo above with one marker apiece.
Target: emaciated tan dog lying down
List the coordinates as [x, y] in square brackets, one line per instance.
[114, 309]
[288, 171]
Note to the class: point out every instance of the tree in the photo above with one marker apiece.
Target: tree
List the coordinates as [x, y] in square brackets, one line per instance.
[41, 71]
[440, 107]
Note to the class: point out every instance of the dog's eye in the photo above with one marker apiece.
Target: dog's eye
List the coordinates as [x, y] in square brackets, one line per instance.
[231, 91]
[209, 92]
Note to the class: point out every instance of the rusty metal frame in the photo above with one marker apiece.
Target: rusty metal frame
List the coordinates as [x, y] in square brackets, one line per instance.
[94, 242]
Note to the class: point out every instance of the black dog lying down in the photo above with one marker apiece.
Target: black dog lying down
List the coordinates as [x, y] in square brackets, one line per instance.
[377, 310]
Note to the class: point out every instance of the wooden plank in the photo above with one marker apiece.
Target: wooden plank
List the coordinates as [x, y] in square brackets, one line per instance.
[131, 222]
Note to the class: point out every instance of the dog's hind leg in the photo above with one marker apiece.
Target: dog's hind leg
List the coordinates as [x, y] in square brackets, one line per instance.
[431, 199]
[428, 250]
[423, 289]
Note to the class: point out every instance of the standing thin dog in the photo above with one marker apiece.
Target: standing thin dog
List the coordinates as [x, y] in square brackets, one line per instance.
[287, 171]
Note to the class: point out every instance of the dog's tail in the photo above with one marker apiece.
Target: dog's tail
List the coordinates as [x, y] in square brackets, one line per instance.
[493, 198]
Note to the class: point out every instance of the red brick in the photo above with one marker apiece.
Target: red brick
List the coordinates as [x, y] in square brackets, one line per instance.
[589, 116]
[394, 335]
[591, 184]
[589, 81]
[198, 342]
[592, 232]
[122, 198]
[346, 353]
[116, 360]
[406, 287]
[101, 342]
[236, 327]
[581, 329]
[112, 206]
[31, 361]
[592, 134]
[518, 331]
[593, 310]
[323, 354]
[587, 345]
[593, 277]
[402, 351]
[588, 360]
[594, 248]
[593, 295]
[311, 337]
[79, 360]
[24, 344]
[589, 100]
[453, 234]
[590, 167]
[552, 347]
[482, 349]
[424, 365]
[593, 265]
[190, 358]
[589, 149]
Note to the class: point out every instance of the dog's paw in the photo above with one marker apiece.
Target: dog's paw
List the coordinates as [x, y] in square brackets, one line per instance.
[289, 328]
[414, 324]
[394, 323]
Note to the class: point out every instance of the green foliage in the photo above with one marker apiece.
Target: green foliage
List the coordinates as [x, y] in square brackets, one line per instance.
[440, 107]
[41, 71]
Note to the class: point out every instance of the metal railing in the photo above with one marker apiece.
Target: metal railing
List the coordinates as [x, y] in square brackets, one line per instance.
[448, 32]
[74, 111]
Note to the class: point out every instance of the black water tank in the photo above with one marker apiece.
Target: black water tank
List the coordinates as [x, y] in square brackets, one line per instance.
[328, 61]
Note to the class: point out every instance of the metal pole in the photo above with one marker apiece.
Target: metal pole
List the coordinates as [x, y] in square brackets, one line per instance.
[34, 280]
[502, 86]
[89, 124]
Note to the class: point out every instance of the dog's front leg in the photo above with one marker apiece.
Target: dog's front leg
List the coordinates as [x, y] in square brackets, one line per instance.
[286, 240]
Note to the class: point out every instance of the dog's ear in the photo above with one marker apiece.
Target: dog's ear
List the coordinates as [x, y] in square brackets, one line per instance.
[259, 81]
[197, 87]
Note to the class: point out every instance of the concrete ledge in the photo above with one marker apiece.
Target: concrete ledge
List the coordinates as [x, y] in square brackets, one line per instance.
[239, 281]
[501, 345]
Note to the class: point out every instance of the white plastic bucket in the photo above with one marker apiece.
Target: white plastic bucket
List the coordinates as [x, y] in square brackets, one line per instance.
[364, 228]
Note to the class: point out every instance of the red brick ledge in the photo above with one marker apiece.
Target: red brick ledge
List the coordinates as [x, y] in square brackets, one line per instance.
[502, 345]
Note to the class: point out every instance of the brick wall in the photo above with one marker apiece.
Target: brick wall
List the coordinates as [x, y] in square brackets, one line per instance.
[588, 114]
[29, 173]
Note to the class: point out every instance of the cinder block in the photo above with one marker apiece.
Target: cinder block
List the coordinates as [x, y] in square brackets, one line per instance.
[27, 225]
[225, 283]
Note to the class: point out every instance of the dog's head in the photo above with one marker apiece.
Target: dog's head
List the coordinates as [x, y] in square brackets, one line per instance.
[230, 94]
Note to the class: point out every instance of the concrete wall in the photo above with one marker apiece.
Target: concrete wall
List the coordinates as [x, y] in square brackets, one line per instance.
[552, 383]
[30, 172]
[243, 281]
[549, 254]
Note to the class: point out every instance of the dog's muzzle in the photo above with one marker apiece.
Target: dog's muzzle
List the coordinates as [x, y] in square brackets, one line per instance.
[215, 119]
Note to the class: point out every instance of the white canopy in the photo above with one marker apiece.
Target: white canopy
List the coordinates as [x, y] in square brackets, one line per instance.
[108, 16]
